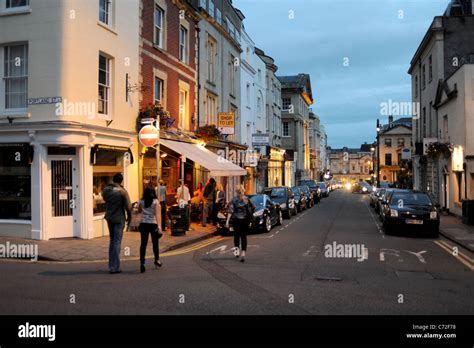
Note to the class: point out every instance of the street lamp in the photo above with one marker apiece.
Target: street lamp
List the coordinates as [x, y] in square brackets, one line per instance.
[378, 153]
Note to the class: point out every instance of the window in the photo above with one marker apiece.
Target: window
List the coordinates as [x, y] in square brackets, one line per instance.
[424, 123]
[183, 112]
[423, 81]
[259, 75]
[105, 7]
[388, 159]
[211, 8]
[232, 76]
[218, 16]
[17, 3]
[399, 158]
[248, 94]
[211, 109]
[183, 44]
[286, 129]
[159, 88]
[211, 59]
[159, 21]
[107, 164]
[202, 3]
[286, 103]
[16, 76]
[259, 107]
[104, 85]
[401, 142]
[388, 142]
[416, 86]
[15, 182]
[430, 69]
[445, 128]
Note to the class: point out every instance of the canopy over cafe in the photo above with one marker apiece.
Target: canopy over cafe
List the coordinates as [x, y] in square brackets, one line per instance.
[182, 155]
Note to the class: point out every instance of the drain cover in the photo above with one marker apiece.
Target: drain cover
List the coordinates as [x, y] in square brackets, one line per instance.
[413, 275]
[328, 279]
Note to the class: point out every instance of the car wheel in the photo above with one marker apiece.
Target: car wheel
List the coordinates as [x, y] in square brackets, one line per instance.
[387, 228]
[268, 223]
[280, 218]
[435, 233]
[287, 214]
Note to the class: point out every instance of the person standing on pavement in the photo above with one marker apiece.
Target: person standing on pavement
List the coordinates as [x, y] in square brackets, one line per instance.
[161, 193]
[149, 208]
[117, 204]
[241, 210]
[209, 200]
[220, 202]
[184, 200]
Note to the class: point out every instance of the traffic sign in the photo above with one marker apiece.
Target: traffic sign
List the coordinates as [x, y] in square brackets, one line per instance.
[149, 136]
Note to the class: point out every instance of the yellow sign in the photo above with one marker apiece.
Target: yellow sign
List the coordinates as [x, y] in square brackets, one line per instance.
[457, 159]
[226, 122]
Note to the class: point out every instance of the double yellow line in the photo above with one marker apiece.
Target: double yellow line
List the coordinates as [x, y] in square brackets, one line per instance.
[463, 258]
[193, 247]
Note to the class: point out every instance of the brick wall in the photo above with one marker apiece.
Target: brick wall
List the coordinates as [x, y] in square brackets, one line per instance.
[167, 60]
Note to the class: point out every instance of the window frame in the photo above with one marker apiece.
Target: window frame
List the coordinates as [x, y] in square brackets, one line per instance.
[7, 2]
[158, 31]
[388, 163]
[160, 90]
[107, 87]
[388, 142]
[285, 129]
[108, 12]
[211, 54]
[5, 78]
[183, 44]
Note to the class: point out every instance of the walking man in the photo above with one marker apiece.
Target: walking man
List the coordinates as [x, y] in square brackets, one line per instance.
[117, 204]
[209, 200]
[161, 193]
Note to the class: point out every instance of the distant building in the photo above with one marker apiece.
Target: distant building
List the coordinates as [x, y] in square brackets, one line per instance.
[394, 145]
[351, 164]
[297, 97]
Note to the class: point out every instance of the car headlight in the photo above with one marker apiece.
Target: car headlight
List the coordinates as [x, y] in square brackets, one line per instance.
[283, 205]
[258, 213]
[433, 215]
[393, 212]
[364, 189]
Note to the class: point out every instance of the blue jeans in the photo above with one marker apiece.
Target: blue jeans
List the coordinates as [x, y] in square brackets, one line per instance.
[116, 234]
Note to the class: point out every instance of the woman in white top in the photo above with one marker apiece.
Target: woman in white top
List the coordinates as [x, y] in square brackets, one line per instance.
[149, 208]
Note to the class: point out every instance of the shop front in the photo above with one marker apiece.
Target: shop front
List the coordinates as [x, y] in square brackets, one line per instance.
[276, 160]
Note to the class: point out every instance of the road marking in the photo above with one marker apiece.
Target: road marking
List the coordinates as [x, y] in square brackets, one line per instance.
[192, 248]
[463, 259]
[308, 252]
[464, 256]
[375, 221]
[418, 255]
[392, 252]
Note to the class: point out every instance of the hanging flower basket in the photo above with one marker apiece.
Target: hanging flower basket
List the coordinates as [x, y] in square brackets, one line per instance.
[157, 112]
[439, 150]
[208, 133]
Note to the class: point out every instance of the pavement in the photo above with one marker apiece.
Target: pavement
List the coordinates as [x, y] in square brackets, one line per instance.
[296, 268]
[82, 250]
[452, 228]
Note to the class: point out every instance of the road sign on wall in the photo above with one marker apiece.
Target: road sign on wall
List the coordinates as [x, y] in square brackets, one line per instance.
[149, 136]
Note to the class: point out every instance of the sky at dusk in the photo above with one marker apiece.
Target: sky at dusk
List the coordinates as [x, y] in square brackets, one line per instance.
[377, 38]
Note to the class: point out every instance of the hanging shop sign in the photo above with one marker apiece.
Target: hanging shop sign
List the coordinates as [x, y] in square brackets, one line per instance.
[260, 139]
[226, 122]
[149, 136]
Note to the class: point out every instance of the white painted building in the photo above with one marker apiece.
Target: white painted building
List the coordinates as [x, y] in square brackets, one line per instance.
[67, 124]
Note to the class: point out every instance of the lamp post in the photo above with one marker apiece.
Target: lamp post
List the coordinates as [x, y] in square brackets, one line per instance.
[378, 153]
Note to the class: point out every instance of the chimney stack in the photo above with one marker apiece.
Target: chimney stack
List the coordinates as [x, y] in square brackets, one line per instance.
[390, 120]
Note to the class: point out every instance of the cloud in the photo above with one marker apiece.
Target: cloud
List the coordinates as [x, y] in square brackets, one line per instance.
[378, 43]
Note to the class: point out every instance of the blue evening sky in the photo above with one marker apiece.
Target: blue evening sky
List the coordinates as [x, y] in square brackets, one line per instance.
[378, 44]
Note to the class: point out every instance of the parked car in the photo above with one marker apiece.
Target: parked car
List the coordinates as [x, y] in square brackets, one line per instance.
[313, 187]
[300, 198]
[381, 192]
[267, 213]
[362, 187]
[406, 208]
[374, 195]
[283, 196]
[324, 189]
[308, 194]
[385, 199]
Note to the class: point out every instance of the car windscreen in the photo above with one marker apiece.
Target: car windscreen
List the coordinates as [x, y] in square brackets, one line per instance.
[322, 185]
[295, 190]
[309, 183]
[407, 199]
[257, 200]
[278, 192]
[304, 189]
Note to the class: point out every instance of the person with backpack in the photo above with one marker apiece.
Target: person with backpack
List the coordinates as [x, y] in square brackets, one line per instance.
[240, 212]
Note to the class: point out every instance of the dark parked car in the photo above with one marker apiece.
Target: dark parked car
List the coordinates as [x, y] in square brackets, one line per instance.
[374, 195]
[324, 189]
[308, 194]
[362, 187]
[300, 198]
[313, 187]
[267, 213]
[405, 208]
[380, 196]
[283, 196]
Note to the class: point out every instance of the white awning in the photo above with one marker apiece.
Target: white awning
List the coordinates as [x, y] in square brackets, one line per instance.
[218, 166]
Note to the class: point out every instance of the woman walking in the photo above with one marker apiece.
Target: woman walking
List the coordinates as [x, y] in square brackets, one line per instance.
[149, 207]
[241, 210]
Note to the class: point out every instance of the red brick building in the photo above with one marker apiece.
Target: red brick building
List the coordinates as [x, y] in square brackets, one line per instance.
[168, 75]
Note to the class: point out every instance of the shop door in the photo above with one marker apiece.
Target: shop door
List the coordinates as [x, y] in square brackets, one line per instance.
[63, 197]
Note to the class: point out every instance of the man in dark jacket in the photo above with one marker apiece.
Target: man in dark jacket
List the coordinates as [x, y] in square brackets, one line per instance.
[117, 203]
[209, 200]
